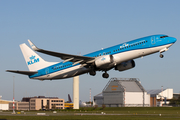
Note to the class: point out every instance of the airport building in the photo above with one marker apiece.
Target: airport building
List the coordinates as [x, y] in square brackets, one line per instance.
[38, 103]
[123, 92]
[160, 97]
[4, 104]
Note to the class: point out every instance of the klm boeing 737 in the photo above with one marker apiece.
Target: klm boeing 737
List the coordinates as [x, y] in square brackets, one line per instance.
[120, 57]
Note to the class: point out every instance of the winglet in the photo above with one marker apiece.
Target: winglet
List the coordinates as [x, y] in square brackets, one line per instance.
[33, 46]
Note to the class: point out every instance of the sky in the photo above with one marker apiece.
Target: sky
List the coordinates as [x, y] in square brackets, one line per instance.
[81, 27]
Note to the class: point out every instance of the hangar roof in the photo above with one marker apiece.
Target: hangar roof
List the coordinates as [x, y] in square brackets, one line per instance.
[155, 91]
[124, 84]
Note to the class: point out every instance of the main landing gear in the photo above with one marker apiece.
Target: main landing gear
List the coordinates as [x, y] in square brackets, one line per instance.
[105, 75]
[161, 55]
[93, 73]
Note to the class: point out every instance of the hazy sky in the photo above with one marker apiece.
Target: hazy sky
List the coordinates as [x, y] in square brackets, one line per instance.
[84, 26]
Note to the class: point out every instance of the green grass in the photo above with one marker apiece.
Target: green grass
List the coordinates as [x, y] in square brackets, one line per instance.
[123, 113]
[127, 117]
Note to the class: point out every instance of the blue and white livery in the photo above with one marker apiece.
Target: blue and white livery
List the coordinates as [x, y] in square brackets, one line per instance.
[120, 57]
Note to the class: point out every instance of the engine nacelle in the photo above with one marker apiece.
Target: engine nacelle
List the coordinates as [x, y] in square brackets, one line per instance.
[104, 62]
[125, 65]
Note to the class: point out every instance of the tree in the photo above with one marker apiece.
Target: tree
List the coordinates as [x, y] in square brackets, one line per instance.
[175, 101]
[95, 107]
[53, 107]
[47, 107]
[103, 106]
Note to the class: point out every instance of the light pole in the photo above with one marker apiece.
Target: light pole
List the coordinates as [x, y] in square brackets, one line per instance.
[162, 95]
[13, 96]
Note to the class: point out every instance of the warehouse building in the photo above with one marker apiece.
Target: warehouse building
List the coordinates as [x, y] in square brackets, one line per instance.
[38, 103]
[123, 92]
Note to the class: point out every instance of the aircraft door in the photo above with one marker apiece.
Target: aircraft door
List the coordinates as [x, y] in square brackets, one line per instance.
[153, 40]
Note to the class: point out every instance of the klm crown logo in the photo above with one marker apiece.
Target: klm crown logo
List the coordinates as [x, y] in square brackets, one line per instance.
[32, 60]
[103, 59]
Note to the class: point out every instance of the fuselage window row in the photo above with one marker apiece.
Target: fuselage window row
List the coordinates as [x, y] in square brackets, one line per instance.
[58, 67]
[103, 54]
[130, 46]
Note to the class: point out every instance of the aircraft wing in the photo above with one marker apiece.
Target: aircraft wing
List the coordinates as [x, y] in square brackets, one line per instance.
[66, 57]
[23, 72]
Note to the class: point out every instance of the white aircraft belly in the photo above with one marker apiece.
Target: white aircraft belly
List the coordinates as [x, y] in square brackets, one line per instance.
[133, 54]
[72, 71]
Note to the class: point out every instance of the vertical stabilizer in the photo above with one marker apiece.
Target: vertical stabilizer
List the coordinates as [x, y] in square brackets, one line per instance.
[69, 99]
[33, 60]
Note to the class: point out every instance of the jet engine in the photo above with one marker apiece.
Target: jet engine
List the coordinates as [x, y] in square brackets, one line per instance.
[125, 65]
[104, 62]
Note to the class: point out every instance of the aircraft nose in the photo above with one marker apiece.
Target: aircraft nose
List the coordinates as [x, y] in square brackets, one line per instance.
[174, 40]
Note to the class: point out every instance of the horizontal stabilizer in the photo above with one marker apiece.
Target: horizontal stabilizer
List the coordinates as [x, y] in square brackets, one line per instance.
[23, 72]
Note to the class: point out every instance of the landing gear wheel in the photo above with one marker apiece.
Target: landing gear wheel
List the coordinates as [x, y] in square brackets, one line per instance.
[161, 55]
[105, 75]
[93, 73]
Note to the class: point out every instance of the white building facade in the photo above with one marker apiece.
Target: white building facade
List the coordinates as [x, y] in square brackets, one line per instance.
[160, 97]
[4, 104]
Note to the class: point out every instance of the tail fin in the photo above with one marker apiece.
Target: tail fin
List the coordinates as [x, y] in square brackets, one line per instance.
[69, 99]
[33, 60]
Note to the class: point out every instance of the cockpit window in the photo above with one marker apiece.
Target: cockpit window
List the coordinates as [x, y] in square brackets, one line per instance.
[163, 36]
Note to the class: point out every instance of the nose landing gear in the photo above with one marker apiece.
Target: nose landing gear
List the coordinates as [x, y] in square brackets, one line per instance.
[161, 55]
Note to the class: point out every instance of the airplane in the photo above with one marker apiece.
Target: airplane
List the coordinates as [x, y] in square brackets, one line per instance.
[120, 57]
[69, 104]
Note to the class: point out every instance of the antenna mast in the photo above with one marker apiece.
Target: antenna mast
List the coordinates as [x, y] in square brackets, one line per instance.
[13, 96]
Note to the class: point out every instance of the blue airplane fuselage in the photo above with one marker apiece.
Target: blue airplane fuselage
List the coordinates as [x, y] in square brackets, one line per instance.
[121, 53]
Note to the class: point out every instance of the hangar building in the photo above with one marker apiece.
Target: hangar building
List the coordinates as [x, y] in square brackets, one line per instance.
[123, 92]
